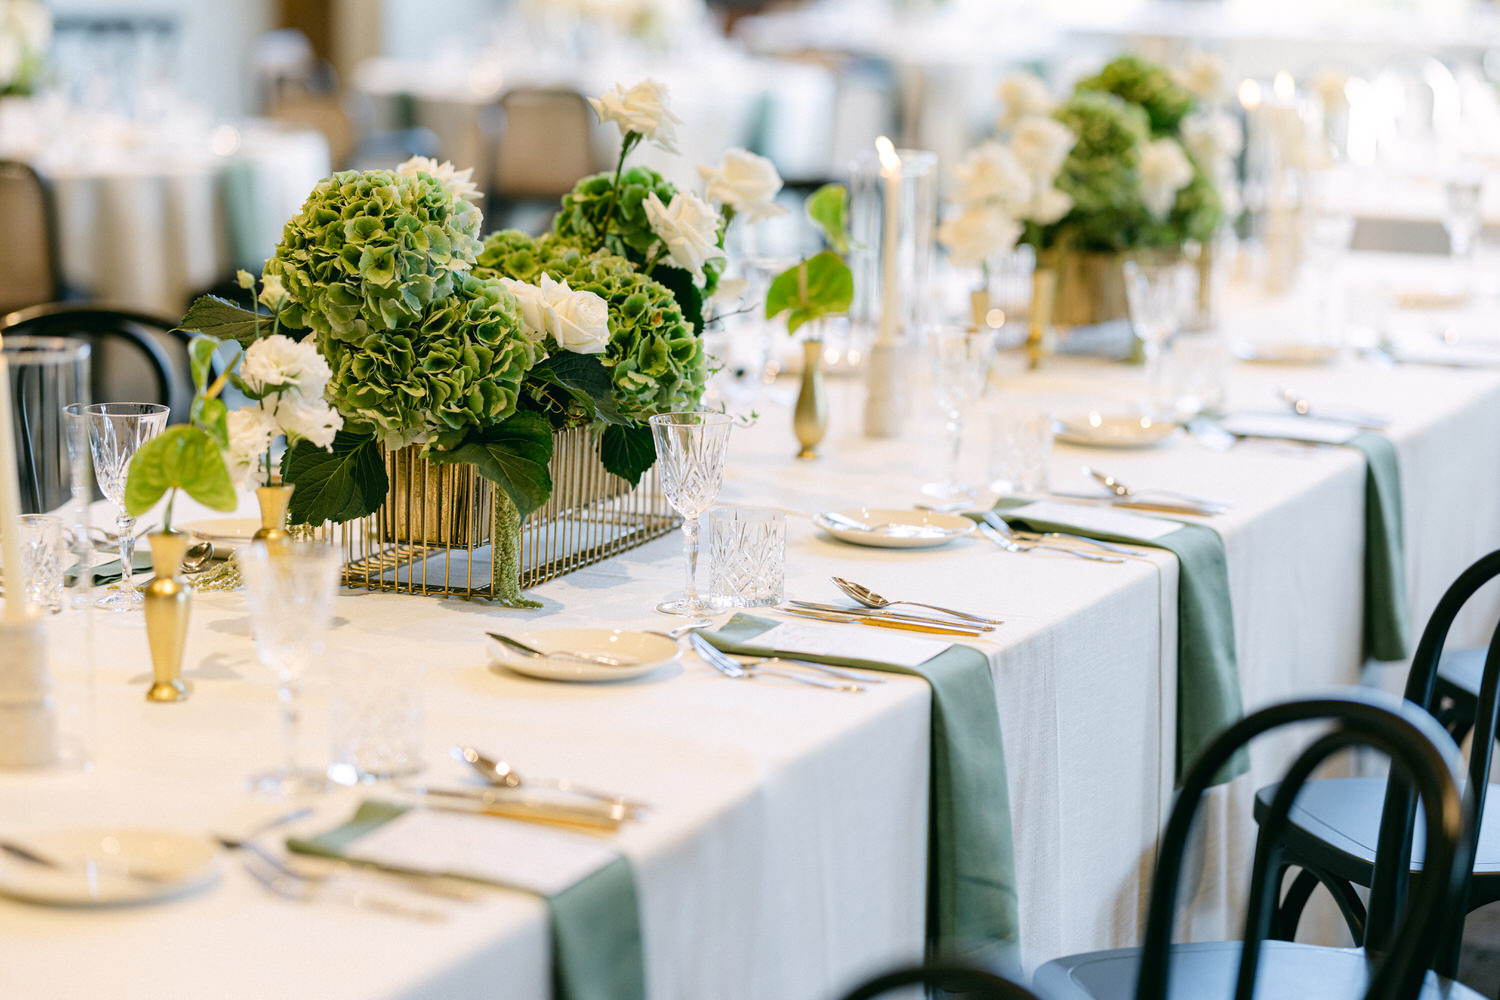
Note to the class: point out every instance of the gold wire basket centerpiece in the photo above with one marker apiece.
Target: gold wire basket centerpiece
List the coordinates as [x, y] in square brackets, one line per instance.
[440, 531]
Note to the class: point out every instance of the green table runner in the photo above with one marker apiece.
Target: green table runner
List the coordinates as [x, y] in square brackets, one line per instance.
[1208, 676]
[1387, 630]
[971, 895]
[596, 928]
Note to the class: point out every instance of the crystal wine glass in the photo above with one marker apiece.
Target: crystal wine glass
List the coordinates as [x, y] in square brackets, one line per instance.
[289, 594]
[1155, 294]
[1462, 218]
[116, 433]
[690, 448]
[961, 359]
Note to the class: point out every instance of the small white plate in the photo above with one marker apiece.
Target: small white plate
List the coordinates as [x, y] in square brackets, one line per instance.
[896, 529]
[1097, 430]
[1285, 352]
[113, 867]
[226, 530]
[641, 653]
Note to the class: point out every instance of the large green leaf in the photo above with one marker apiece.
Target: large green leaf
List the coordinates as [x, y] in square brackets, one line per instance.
[582, 377]
[219, 318]
[827, 207]
[182, 457]
[830, 291]
[337, 485]
[627, 451]
[513, 455]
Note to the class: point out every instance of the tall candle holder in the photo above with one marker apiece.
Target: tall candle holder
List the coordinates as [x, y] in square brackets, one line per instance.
[893, 219]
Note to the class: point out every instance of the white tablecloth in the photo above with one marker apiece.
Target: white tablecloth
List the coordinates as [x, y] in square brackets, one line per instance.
[787, 853]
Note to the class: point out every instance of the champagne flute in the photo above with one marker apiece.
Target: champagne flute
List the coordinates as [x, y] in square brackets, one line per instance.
[691, 448]
[116, 433]
[289, 594]
[961, 359]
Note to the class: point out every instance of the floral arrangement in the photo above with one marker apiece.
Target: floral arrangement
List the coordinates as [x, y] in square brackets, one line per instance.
[25, 31]
[417, 332]
[1131, 160]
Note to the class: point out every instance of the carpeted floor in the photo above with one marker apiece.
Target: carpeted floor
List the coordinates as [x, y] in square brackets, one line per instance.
[1479, 966]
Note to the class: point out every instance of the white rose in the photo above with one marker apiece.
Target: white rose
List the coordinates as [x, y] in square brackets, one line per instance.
[991, 173]
[746, 182]
[1047, 205]
[578, 320]
[1204, 76]
[1021, 95]
[298, 416]
[251, 431]
[10, 59]
[978, 232]
[1212, 137]
[643, 109]
[458, 182]
[279, 363]
[1041, 145]
[1164, 170]
[533, 305]
[690, 229]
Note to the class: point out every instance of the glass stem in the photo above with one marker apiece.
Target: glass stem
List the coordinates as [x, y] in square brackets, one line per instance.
[1155, 372]
[125, 528]
[291, 722]
[690, 550]
[955, 444]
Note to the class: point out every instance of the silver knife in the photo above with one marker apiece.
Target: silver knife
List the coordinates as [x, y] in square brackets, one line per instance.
[823, 616]
[892, 616]
[1162, 506]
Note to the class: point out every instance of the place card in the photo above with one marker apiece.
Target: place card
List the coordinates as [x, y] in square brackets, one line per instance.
[505, 852]
[878, 645]
[1097, 520]
[1289, 427]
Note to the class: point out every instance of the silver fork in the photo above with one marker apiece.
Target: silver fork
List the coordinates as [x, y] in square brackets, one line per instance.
[1003, 538]
[733, 670]
[302, 891]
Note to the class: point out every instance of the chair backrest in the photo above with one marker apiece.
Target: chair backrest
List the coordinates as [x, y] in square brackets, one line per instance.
[30, 272]
[952, 977]
[135, 356]
[545, 144]
[1420, 751]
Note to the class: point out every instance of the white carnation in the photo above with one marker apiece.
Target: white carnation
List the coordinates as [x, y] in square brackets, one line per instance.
[1041, 145]
[977, 232]
[458, 182]
[251, 431]
[302, 418]
[577, 320]
[642, 109]
[280, 364]
[1022, 95]
[991, 173]
[745, 182]
[690, 229]
[1164, 171]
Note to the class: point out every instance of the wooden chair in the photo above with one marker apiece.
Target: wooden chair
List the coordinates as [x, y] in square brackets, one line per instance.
[1415, 916]
[30, 274]
[543, 144]
[1331, 836]
[951, 977]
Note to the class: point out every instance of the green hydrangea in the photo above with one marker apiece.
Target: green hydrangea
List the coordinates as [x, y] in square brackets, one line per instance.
[460, 366]
[511, 253]
[372, 251]
[585, 208]
[1148, 85]
[1100, 173]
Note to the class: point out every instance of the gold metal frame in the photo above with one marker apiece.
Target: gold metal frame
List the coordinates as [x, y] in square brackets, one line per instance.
[432, 534]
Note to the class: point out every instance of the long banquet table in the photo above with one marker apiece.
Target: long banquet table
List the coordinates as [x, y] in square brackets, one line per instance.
[786, 855]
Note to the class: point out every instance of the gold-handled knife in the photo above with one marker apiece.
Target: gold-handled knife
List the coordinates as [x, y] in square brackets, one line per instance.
[822, 616]
[601, 817]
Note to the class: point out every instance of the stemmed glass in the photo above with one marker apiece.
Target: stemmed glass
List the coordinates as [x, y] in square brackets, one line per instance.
[690, 448]
[289, 593]
[116, 433]
[1462, 219]
[961, 359]
[1155, 294]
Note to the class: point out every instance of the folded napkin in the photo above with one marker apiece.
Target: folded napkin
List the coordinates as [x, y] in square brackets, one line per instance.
[1208, 675]
[971, 894]
[1387, 627]
[109, 572]
[596, 930]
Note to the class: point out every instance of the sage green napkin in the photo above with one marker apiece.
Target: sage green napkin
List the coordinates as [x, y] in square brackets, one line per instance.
[596, 926]
[971, 893]
[1387, 631]
[1208, 675]
[109, 572]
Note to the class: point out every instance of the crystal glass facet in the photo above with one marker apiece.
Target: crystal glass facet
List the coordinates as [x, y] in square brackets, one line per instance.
[690, 448]
[960, 357]
[747, 555]
[1158, 295]
[116, 433]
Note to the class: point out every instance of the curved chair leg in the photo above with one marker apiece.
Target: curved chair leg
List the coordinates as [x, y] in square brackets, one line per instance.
[1289, 913]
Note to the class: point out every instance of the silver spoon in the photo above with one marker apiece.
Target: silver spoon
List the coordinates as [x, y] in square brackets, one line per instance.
[1124, 492]
[198, 557]
[870, 599]
[502, 775]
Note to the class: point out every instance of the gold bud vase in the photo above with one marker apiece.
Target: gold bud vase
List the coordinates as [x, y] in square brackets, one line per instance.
[810, 418]
[169, 599]
[274, 502]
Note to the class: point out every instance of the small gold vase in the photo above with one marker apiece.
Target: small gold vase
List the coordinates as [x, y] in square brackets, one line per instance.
[810, 418]
[169, 599]
[274, 502]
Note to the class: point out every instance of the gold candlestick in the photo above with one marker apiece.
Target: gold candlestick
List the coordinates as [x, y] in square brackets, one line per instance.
[274, 502]
[168, 602]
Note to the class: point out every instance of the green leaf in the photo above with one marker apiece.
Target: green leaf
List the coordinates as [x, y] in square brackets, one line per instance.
[337, 485]
[827, 207]
[213, 416]
[627, 451]
[182, 457]
[830, 291]
[221, 319]
[688, 295]
[513, 455]
[201, 359]
[584, 378]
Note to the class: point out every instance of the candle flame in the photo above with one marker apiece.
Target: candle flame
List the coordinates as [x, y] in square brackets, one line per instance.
[1250, 94]
[889, 161]
[1285, 86]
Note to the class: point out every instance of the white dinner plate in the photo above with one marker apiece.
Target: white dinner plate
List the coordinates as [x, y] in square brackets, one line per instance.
[228, 530]
[896, 529]
[1098, 430]
[1285, 352]
[108, 867]
[640, 653]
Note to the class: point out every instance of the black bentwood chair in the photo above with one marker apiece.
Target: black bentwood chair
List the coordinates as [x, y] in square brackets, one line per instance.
[1422, 754]
[963, 980]
[1331, 836]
